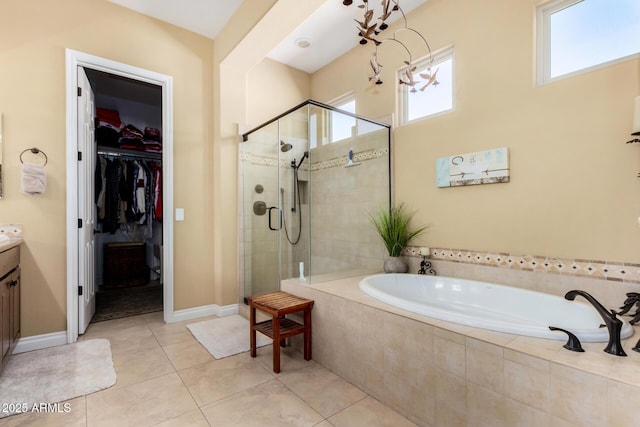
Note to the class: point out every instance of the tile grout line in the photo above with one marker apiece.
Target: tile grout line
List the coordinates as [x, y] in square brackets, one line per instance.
[181, 379]
[86, 411]
[301, 398]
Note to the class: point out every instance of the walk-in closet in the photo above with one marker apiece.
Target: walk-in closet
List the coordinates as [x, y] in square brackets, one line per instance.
[128, 196]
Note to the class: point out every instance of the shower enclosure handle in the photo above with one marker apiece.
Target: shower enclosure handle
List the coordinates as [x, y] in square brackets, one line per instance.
[279, 218]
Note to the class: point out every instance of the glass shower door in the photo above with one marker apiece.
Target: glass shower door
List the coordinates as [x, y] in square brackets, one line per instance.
[295, 188]
[261, 212]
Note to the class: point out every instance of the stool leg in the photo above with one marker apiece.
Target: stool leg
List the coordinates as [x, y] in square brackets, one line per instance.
[307, 335]
[252, 331]
[283, 342]
[276, 341]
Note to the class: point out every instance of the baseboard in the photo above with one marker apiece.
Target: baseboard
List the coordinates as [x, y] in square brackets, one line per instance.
[228, 310]
[203, 311]
[38, 342]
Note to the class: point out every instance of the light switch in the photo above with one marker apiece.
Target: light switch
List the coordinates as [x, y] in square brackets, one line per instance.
[179, 214]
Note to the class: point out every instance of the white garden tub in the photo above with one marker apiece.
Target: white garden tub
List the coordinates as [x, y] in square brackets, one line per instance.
[490, 306]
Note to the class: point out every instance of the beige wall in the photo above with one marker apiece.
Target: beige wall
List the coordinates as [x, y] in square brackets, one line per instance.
[33, 38]
[272, 89]
[229, 96]
[573, 190]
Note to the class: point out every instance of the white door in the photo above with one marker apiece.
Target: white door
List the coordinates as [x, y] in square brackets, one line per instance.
[86, 205]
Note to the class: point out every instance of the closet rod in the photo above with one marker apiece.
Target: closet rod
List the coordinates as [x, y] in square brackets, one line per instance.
[142, 155]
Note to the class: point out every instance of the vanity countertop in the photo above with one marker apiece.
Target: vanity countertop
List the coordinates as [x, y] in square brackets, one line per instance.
[10, 236]
[11, 243]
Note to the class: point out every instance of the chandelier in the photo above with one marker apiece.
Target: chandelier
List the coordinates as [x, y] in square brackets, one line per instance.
[371, 29]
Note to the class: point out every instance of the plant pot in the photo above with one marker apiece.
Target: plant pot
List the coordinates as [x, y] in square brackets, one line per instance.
[395, 264]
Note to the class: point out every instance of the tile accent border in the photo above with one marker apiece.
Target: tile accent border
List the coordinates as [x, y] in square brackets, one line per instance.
[341, 161]
[605, 270]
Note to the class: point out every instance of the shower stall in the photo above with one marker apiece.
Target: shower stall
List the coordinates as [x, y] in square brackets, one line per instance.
[308, 181]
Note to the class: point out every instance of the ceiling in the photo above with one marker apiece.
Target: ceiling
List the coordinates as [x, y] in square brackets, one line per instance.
[331, 31]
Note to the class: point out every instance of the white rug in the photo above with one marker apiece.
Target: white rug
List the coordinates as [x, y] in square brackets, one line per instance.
[226, 336]
[55, 374]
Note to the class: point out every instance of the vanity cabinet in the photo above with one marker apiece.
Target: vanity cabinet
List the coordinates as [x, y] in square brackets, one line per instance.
[9, 301]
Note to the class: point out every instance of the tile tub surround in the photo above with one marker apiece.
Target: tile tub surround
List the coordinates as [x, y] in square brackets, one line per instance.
[442, 374]
[535, 273]
[603, 270]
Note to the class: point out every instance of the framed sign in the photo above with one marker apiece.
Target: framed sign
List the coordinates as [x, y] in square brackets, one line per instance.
[482, 167]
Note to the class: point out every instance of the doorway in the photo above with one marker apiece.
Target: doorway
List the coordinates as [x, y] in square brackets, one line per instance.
[80, 192]
[126, 233]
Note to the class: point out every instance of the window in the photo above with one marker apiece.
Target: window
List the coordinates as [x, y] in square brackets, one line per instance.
[313, 130]
[434, 99]
[575, 36]
[341, 125]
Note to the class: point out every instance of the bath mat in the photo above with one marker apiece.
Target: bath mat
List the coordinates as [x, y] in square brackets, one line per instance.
[226, 336]
[55, 374]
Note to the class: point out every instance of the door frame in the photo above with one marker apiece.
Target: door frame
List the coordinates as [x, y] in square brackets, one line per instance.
[75, 59]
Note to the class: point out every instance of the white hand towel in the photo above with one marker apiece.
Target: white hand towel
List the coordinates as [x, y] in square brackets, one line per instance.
[34, 180]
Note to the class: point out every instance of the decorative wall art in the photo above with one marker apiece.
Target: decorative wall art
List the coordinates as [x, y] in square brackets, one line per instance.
[482, 167]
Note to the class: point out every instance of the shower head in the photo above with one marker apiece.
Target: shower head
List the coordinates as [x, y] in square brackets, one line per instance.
[284, 147]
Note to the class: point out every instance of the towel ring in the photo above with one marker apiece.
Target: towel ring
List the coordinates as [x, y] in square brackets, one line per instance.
[35, 150]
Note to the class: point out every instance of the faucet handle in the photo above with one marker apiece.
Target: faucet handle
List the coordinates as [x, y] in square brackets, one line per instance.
[573, 343]
[633, 298]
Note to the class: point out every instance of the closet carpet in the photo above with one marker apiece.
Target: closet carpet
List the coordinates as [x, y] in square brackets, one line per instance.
[116, 303]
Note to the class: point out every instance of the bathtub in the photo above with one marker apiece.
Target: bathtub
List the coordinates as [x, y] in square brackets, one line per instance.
[490, 306]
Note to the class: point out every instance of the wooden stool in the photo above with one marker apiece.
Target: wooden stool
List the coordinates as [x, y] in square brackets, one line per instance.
[279, 304]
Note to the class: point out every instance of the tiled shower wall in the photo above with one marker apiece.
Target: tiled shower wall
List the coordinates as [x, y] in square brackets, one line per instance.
[342, 237]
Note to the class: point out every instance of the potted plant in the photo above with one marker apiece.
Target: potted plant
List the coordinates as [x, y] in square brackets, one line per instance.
[393, 226]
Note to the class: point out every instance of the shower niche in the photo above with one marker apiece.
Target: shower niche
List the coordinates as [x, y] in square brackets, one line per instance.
[309, 178]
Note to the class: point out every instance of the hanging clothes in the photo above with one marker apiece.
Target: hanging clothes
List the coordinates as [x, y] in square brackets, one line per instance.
[157, 191]
[111, 208]
[128, 195]
[141, 200]
[101, 185]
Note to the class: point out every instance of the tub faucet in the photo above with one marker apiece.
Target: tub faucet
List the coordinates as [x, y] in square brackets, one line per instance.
[611, 321]
[426, 267]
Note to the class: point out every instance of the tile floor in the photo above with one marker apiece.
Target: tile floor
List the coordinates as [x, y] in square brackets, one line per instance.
[166, 378]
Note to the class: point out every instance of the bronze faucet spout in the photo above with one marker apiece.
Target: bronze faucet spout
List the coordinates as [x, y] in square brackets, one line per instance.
[611, 321]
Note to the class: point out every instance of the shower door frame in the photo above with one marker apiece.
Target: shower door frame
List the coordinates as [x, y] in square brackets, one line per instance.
[248, 216]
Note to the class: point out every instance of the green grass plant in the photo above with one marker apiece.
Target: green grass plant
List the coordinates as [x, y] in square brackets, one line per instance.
[394, 227]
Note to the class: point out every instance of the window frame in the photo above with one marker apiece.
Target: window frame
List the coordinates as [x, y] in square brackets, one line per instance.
[337, 103]
[543, 44]
[439, 56]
